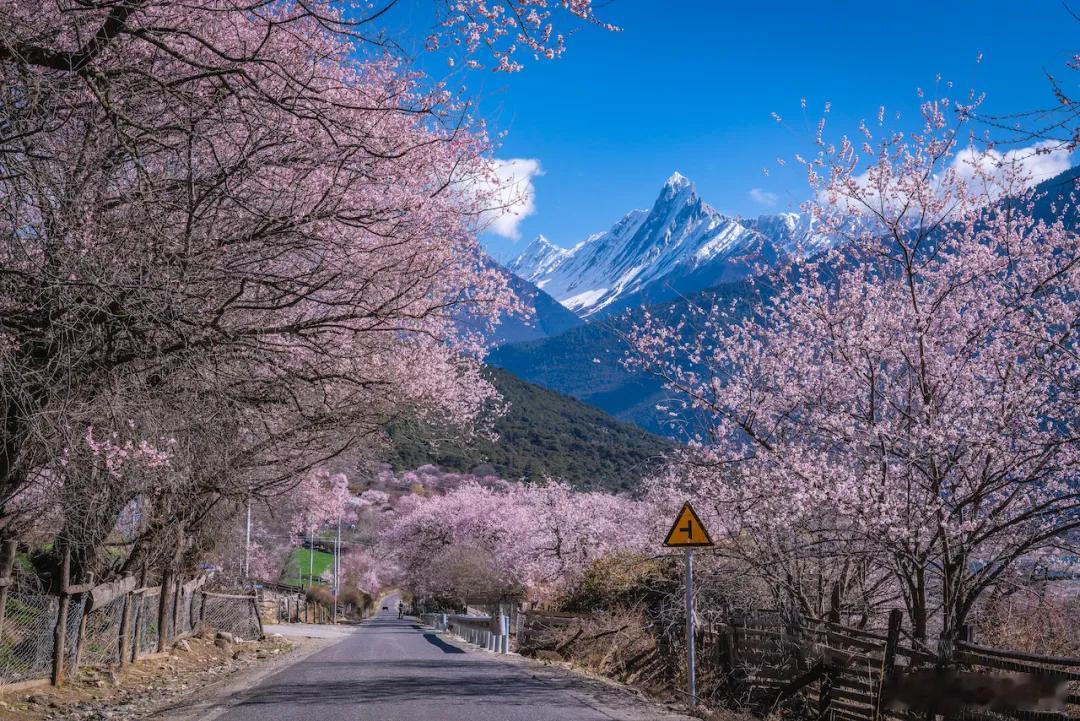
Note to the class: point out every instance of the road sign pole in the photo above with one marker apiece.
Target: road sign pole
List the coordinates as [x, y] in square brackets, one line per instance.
[688, 532]
[691, 655]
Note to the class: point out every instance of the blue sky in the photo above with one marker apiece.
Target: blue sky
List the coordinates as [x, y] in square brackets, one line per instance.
[690, 86]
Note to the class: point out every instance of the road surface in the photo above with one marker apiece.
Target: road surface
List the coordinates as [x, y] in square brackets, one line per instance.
[398, 670]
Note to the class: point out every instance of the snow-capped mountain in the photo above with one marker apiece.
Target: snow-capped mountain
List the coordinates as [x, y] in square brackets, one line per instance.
[539, 256]
[680, 245]
[791, 233]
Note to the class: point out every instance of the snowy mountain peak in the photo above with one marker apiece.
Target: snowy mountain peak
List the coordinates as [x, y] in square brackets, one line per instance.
[538, 257]
[678, 181]
[541, 243]
[680, 245]
[791, 233]
[676, 191]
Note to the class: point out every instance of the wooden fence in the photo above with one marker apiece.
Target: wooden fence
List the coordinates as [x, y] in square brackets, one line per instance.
[832, 672]
[846, 673]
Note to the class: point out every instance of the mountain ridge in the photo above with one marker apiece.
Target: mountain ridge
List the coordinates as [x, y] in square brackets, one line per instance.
[680, 245]
[585, 361]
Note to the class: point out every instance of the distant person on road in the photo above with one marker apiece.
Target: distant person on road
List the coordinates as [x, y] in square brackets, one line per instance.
[400, 610]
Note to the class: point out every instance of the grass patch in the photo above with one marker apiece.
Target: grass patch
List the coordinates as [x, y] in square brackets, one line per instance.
[296, 570]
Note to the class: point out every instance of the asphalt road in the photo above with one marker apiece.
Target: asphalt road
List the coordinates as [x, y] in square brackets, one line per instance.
[393, 670]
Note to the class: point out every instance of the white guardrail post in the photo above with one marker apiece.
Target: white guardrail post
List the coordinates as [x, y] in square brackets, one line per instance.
[489, 632]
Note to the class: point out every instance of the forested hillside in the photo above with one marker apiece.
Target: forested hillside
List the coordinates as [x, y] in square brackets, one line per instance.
[544, 434]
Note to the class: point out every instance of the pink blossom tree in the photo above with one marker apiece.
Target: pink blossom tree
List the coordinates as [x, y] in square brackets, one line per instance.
[902, 406]
[366, 572]
[241, 222]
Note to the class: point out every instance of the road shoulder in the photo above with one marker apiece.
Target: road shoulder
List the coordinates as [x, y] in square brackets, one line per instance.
[214, 699]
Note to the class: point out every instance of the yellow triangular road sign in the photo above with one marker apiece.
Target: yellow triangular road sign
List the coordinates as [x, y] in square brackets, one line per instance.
[688, 530]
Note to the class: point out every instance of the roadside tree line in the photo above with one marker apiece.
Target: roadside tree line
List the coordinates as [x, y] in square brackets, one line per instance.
[236, 240]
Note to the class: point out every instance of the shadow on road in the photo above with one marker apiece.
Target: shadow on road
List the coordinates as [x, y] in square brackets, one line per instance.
[440, 644]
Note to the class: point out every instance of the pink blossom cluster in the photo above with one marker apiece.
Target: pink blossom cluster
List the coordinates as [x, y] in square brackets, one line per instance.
[320, 499]
[428, 479]
[505, 27]
[364, 571]
[116, 454]
[538, 539]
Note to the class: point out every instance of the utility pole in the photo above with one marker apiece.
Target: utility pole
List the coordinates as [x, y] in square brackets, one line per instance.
[337, 566]
[247, 543]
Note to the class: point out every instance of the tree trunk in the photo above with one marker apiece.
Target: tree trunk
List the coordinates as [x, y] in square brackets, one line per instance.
[7, 563]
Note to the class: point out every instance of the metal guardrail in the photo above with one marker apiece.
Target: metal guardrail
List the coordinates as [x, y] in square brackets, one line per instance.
[489, 632]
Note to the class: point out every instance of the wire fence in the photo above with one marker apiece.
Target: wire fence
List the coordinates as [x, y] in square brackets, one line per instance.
[182, 613]
[26, 638]
[100, 645]
[235, 615]
[93, 632]
[149, 621]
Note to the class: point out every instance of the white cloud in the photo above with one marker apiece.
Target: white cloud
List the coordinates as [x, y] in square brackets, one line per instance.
[1037, 162]
[513, 194]
[989, 172]
[763, 197]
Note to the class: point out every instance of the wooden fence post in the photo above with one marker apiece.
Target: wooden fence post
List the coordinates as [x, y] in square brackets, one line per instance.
[163, 611]
[727, 647]
[84, 591]
[892, 642]
[888, 660]
[137, 636]
[825, 695]
[7, 563]
[258, 616]
[193, 623]
[178, 593]
[168, 584]
[60, 630]
[125, 630]
[834, 604]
